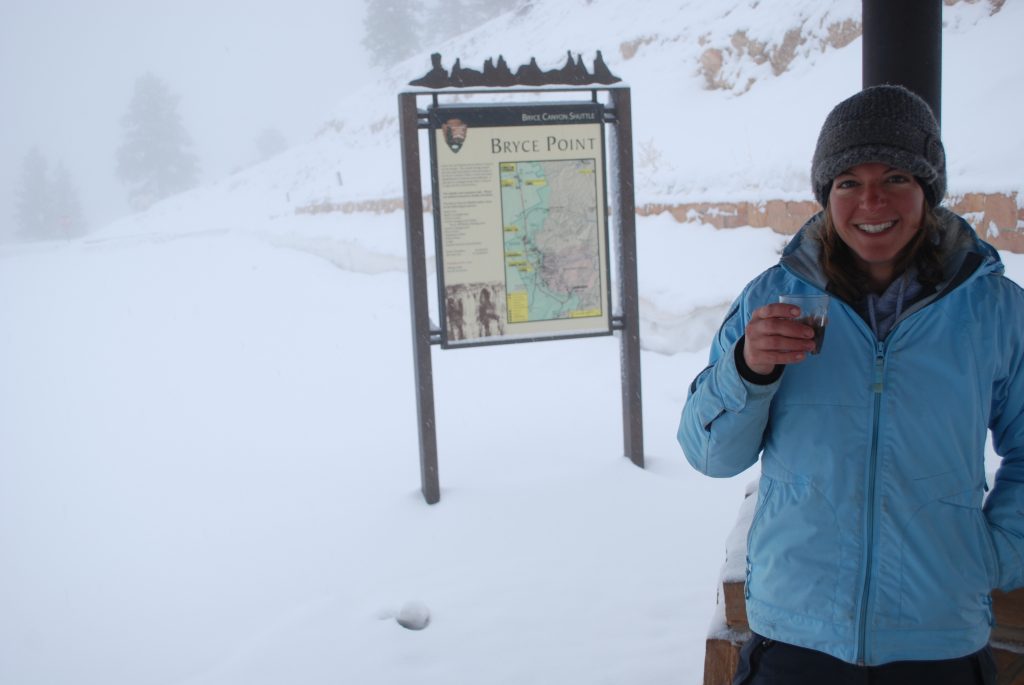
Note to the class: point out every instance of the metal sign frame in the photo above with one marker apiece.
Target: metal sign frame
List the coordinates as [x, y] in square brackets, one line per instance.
[622, 200]
[534, 126]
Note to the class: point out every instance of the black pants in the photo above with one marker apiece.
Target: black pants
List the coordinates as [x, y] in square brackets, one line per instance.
[766, 662]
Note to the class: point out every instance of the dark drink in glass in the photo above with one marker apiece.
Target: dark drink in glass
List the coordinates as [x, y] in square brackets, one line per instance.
[813, 312]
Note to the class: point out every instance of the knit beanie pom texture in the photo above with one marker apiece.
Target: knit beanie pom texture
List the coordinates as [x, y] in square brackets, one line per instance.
[884, 124]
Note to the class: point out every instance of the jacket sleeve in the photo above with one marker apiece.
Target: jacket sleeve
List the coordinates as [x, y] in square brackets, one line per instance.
[1004, 506]
[723, 422]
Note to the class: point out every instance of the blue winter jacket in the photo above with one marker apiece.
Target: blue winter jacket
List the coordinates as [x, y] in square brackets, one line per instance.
[869, 540]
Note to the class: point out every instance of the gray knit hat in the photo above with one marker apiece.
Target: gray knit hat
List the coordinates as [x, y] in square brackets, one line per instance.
[887, 124]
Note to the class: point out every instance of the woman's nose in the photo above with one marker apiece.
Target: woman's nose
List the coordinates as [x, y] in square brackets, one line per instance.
[872, 196]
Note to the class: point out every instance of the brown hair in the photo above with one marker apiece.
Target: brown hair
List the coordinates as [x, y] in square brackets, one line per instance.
[847, 280]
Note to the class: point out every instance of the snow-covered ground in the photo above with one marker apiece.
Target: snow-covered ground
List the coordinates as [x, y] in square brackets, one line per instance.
[208, 447]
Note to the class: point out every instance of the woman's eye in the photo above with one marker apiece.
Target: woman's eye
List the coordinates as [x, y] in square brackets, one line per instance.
[897, 178]
[848, 183]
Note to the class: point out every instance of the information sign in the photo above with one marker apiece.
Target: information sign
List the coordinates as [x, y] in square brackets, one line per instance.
[519, 193]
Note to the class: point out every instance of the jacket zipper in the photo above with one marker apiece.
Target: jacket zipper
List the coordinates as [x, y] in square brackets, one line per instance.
[869, 537]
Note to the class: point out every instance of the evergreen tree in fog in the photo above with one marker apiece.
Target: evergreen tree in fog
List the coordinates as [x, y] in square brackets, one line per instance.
[154, 159]
[449, 18]
[65, 210]
[32, 197]
[391, 30]
[47, 207]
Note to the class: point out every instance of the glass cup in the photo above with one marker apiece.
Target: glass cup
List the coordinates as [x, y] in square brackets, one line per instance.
[813, 312]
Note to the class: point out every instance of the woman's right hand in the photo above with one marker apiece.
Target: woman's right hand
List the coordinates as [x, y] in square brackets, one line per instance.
[774, 335]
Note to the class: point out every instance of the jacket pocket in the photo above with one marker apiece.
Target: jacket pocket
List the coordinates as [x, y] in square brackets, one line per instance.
[968, 499]
[794, 551]
[948, 564]
[764, 493]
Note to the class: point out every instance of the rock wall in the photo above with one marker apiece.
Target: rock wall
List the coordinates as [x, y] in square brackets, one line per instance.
[998, 218]
[716, 60]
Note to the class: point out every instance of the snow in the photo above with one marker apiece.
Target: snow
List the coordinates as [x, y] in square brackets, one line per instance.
[208, 446]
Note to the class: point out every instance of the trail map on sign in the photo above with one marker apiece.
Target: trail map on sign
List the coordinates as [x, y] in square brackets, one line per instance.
[551, 239]
[520, 222]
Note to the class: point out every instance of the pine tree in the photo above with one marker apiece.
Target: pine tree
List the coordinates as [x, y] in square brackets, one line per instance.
[449, 18]
[32, 197]
[391, 30]
[483, 11]
[47, 207]
[154, 158]
[65, 211]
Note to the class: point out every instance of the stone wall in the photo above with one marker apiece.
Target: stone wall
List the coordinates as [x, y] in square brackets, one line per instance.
[995, 216]
[383, 206]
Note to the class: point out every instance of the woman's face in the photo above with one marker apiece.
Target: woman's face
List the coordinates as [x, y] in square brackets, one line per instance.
[877, 210]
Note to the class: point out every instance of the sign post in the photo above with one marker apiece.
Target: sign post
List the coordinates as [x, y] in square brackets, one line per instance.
[520, 202]
[422, 335]
[629, 296]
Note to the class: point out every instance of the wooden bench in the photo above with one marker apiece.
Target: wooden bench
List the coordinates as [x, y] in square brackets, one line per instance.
[729, 628]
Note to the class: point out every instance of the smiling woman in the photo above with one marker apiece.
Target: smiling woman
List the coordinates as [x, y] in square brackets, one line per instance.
[879, 168]
[873, 550]
[876, 211]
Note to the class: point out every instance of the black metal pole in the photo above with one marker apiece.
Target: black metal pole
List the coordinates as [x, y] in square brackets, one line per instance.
[416, 251]
[903, 46]
[625, 219]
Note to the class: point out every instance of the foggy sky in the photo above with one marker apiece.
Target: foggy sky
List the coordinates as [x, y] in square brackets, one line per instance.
[67, 70]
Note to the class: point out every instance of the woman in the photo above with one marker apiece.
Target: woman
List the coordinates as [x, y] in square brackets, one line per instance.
[870, 556]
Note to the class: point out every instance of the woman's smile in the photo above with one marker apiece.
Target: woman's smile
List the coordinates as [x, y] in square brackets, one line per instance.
[876, 228]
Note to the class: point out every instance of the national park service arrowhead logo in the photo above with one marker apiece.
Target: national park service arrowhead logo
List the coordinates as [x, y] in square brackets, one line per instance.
[455, 132]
